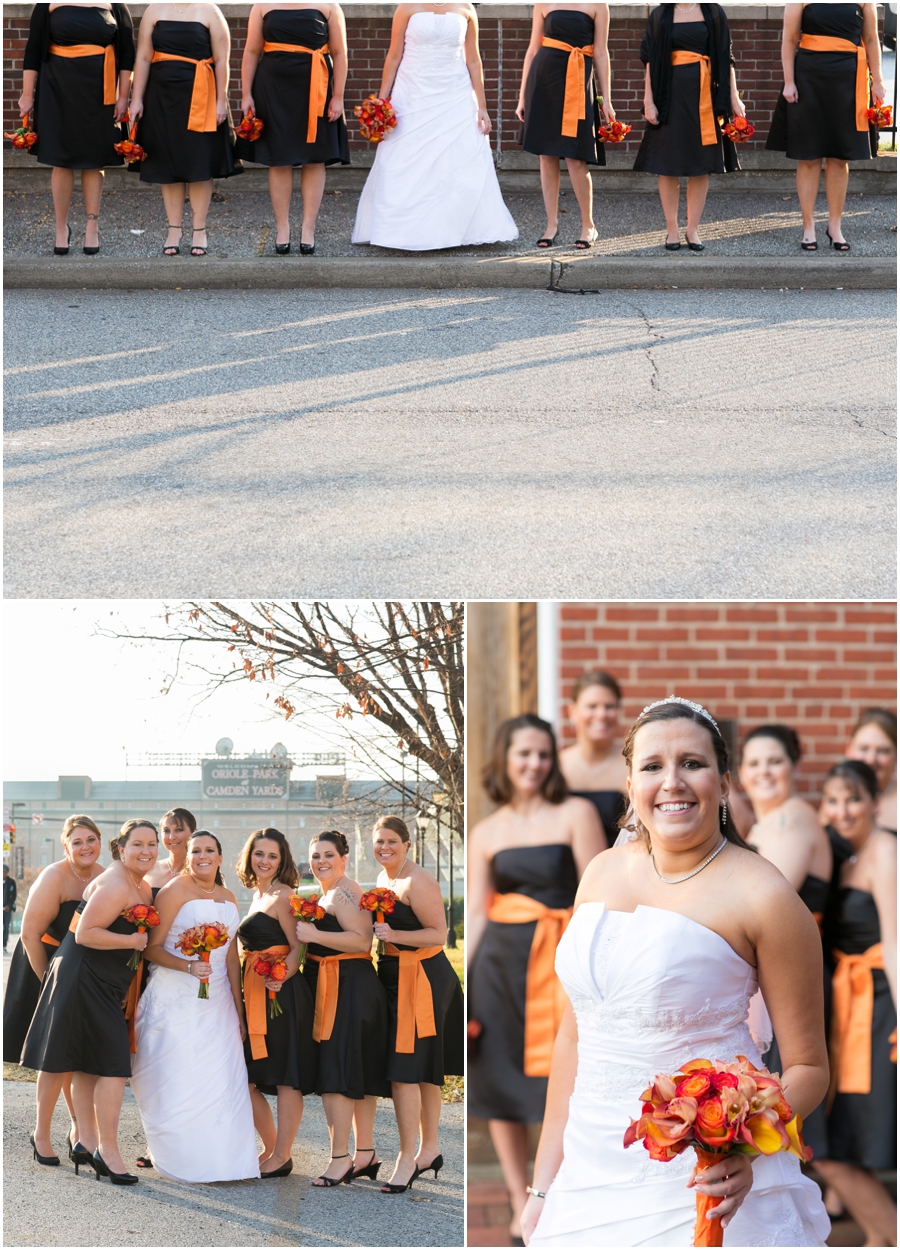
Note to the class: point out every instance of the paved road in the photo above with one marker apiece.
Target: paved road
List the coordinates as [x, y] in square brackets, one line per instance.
[471, 443]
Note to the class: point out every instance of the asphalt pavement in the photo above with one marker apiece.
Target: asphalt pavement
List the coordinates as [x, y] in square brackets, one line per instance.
[478, 443]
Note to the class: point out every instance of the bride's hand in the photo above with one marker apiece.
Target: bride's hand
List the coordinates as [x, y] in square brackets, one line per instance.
[242, 1024]
[200, 969]
[530, 1216]
[732, 1180]
[484, 122]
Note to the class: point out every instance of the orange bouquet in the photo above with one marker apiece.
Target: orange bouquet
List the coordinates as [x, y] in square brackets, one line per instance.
[131, 151]
[376, 118]
[276, 970]
[739, 131]
[881, 117]
[200, 940]
[382, 902]
[22, 137]
[307, 909]
[613, 132]
[719, 1109]
[250, 128]
[143, 916]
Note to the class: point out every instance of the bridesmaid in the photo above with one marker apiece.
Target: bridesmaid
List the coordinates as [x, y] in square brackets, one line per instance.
[293, 74]
[79, 1025]
[821, 112]
[861, 928]
[76, 75]
[351, 1018]
[594, 767]
[560, 111]
[176, 828]
[280, 1052]
[688, 84]
[51, 905]
[525, 862]
[874, 741]
[414, 934]
[180, 97]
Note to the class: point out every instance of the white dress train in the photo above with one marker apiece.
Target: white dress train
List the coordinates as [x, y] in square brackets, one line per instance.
[433, 182]
[189, 1076]
[651, 990]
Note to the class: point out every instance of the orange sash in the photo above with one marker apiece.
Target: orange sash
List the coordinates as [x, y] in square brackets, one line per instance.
[94, 49]
[318, 81]
[255, 994]
[574, 103]
[853, 997]
[825, 43]
[131, 1002]
[51, 941]
[203, 98]
[545, 998]
[327, 992]
[708, 134]
[73, 923]
[415, 1002]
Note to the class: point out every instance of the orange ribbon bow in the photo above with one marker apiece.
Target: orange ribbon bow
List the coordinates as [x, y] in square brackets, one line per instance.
[327, 984]
[415, 1001]
[318, 81]
[574, 107]
[255, 997]
[94, 49]
[851, 1021]
[708, 134]
[826, 43]
[545, 998]
[203, 98]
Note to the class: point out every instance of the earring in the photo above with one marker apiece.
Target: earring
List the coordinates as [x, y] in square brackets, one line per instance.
[724, 813]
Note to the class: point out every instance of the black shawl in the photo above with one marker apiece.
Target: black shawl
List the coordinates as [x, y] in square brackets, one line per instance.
[37, 49]
[656, 51]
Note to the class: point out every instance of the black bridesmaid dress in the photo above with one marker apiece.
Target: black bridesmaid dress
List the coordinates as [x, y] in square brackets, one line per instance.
[79, 1024]
[611, 806]
[353, 1061]
[75, 129]
[498, 1088]
[292, 1059]
[545, 92]
[174, 153]
[434, 1058]
[281, 95]
[823, 121]
[23, 988]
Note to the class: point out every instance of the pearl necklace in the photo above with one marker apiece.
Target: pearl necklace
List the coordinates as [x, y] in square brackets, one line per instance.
[678, 880]
[203, 888]
[83, 880]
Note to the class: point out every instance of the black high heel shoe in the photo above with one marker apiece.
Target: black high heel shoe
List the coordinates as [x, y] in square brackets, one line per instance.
[117, 1178]
[307, 249]
[838, 247]
[80, 1156]
[92, 251]
[283, 249]
[437, 1163]
[547, 242]
[371, 1171]
[328, 1183]
[173, 249]
[48, 1161]
[64, 251]
[284, 1170]
[401, 1189]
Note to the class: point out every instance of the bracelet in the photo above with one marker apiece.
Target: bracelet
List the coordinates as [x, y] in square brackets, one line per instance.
[535, 1193]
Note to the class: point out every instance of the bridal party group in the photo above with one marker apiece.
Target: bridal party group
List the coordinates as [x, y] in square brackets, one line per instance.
[146, 970]
[94, 97]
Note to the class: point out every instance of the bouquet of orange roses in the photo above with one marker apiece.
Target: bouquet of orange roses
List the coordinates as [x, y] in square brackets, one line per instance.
[200, 940]
[719, 1109]
[276, 970]
[376, 118]
[22, 137]
[613, 132]
[143, 916]
[881, 117]
[307, 909]
[250, 128]
[739, 131]
[131, 151]
[382, 902]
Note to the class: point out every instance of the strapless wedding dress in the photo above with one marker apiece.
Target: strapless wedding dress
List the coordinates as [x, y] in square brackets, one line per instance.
[433, 182]
[651, 990]
[189, 1076]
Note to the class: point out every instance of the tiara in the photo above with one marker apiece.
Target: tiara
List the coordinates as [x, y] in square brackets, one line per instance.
[674, 698]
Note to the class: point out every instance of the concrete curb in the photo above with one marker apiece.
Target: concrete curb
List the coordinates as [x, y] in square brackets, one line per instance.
[684, 271]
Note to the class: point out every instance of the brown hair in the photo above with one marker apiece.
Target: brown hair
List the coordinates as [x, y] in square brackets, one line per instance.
[183, 817]
[118, 842]
[494, 776]
[880, 716]
[395, 824]
[79, 822]
[335, 837]
[856, 773]
[783, 734]
[595, 677]
[202, 833]
[287, 869]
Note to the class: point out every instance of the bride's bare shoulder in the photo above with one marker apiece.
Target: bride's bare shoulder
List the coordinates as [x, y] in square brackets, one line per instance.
[604, 869]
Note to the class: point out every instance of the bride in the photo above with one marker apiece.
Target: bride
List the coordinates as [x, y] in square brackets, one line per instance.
[189, 1076]
[433, 183]
[672, 931]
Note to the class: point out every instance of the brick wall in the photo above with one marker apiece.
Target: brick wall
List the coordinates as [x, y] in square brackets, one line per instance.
[814, 666]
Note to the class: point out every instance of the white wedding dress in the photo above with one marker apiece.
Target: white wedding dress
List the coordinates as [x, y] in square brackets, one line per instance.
[189, 1076]
[652, 990]
[433, 182]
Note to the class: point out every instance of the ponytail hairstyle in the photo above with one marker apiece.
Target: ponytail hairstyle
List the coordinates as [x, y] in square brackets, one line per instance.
[336, 838]
[395, 824]
[79, 822]
[117, 843]
[596, 677]
[181, 816]
[783, 734]
[287, 870]
[202, 833]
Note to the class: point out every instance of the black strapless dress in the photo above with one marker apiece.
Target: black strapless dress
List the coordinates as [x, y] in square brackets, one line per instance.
[434, 1057]
[79, 1023]
[353, 1061]
[862, 1128]
[23, 988]
[611, 806]
[281, 95]
[545, 93]
[823, 121]
[292, 1059]
[75, 129]
[498, 1088]
[174, 153]
[675, 149]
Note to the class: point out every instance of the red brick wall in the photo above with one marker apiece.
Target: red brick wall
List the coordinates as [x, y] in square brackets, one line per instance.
[814, 666]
